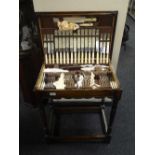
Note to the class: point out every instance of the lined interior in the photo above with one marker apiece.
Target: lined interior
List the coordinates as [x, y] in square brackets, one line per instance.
[83, 46]
[101, 79]
[76, 54]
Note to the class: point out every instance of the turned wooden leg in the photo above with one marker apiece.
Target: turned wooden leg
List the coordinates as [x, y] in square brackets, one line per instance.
[112, 115]
[44, 118]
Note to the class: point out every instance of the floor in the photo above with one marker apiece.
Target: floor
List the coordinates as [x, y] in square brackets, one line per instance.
[123, 140]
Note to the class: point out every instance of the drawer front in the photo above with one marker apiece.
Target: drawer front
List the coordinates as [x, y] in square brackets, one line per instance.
[81, 94]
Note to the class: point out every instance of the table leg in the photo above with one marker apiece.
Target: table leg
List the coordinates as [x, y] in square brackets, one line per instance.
[44, 118]
[112, 115]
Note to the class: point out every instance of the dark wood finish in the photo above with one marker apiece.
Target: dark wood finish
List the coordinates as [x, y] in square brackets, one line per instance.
[112, 114]
[44, 119]
[51, 130]
[78, 138]
[88, 93]
[106, 23]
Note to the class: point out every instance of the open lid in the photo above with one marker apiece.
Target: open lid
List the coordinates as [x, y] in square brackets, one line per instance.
[77, 37]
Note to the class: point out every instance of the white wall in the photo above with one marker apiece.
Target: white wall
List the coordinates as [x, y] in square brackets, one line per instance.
[91, 5]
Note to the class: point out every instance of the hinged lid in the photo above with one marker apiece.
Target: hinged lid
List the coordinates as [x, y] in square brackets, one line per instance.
[77, 37]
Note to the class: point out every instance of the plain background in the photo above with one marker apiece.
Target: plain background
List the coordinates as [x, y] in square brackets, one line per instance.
[145, 76]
